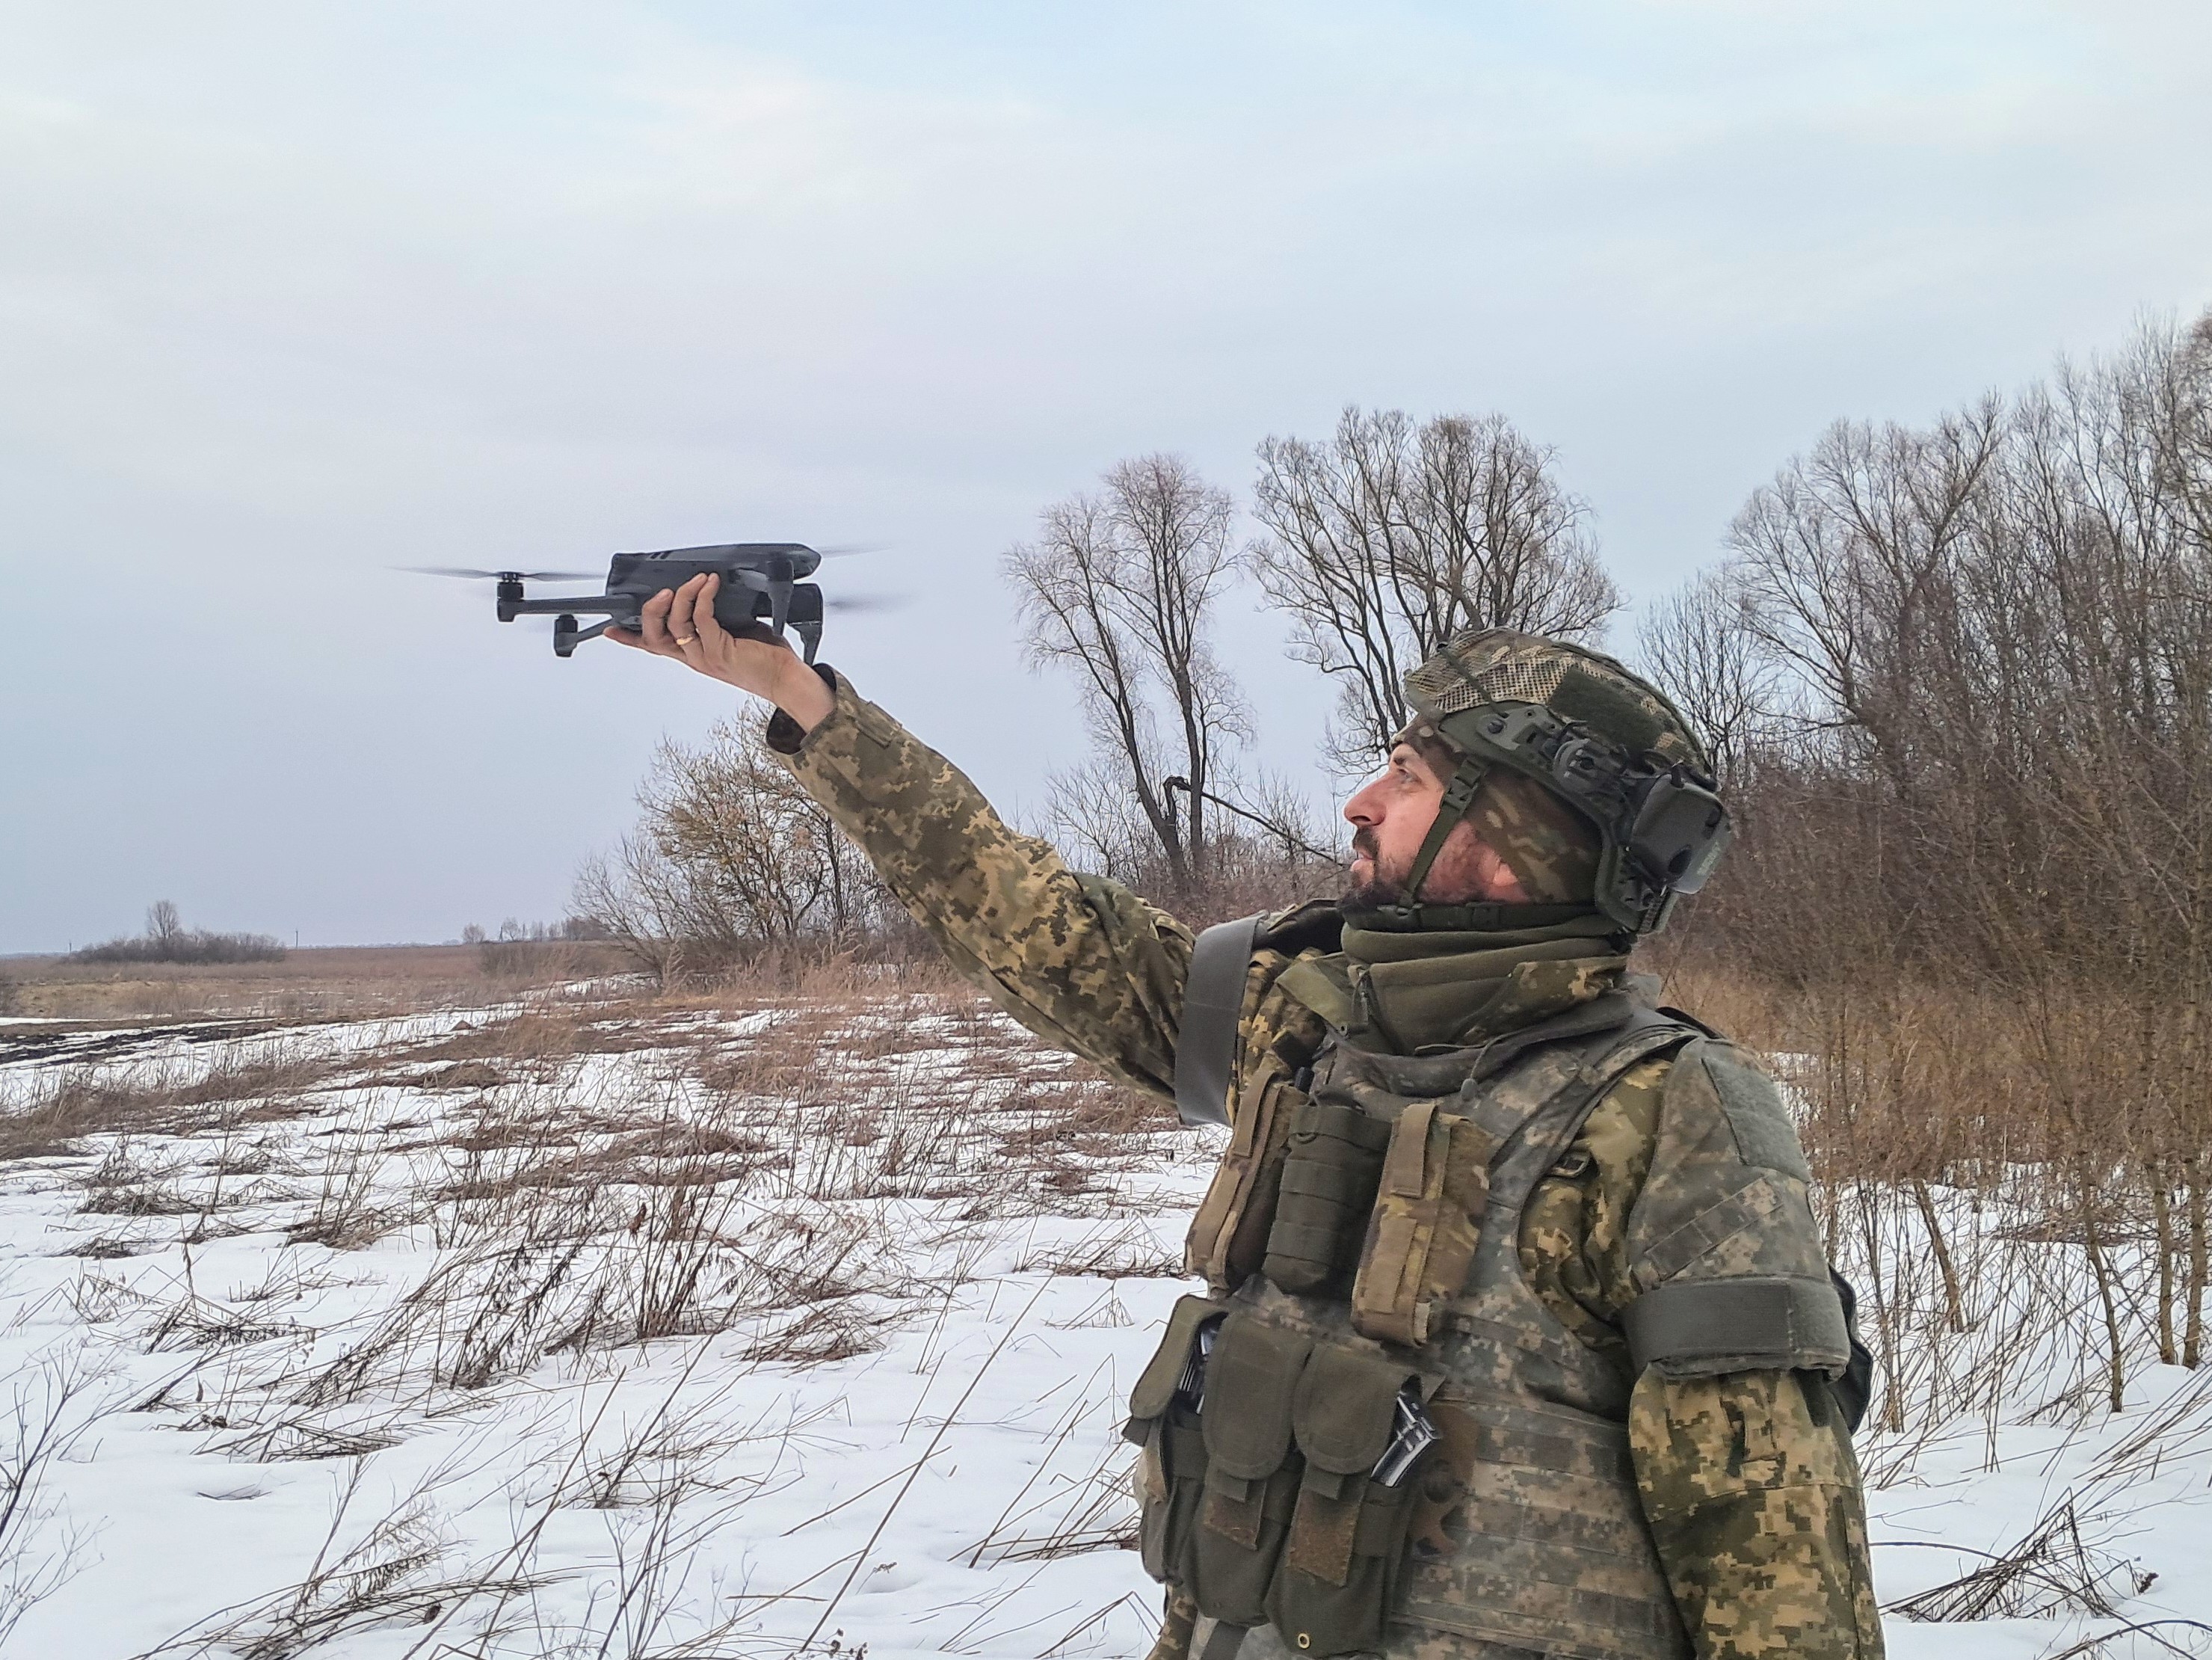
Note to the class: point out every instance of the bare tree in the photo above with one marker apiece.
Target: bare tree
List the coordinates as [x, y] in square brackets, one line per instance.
[1847, 557]
[1392, 537]
[1701, 647]
[1087, 813]
[1117, 588]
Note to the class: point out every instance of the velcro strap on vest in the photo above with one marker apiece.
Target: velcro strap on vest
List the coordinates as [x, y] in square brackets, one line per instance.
[1696, 1327]
[1213, 1003]
[1404, 1173]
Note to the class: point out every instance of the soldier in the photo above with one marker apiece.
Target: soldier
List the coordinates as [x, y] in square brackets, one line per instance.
[1518, 1338]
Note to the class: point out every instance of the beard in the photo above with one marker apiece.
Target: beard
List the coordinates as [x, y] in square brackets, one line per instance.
[1378, 890]
[1371, 895]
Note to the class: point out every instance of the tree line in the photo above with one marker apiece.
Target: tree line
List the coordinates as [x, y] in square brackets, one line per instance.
[1961, 676]
[1375, 544]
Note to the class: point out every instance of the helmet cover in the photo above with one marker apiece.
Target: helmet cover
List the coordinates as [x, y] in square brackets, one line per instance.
[1562, 845]
[1483, 666]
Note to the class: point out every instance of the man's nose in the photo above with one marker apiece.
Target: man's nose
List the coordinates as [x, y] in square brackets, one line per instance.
[1362, 808]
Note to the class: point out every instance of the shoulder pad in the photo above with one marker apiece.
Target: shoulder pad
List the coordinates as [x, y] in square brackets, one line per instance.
[1319, 984]
[1688, 1019]
[1213, 1004]
[1758, 1117]
[1316, 924]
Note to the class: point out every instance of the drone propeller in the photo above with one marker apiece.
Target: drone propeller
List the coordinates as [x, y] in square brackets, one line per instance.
[499, 576]
[856, 605]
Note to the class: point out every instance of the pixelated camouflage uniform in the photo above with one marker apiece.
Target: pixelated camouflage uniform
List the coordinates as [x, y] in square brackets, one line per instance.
[1747, 1478]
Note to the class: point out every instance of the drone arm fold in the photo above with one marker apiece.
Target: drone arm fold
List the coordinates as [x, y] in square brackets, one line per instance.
[595, 605]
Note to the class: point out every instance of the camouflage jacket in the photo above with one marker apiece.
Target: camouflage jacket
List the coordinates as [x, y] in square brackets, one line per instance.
[1748, 1479]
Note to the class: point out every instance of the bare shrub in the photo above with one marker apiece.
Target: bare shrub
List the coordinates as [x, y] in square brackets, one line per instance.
[535, 951]
[822, 1334]
[2066, 1561]
[383, 1575]
[167, 940]
[350, 1210]
[2051, 1572]
[273, 1080]
[732, 858]
[139, 1199]
[52, 1401]
[62, 1106]
[1131, 1251]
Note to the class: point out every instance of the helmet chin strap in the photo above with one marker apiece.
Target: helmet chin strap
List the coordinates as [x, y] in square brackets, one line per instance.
[1459, 793]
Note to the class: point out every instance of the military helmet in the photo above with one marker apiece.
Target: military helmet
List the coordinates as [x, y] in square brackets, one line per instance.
[1600, 739]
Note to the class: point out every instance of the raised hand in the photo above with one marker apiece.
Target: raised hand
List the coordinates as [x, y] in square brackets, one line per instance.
[680, 624]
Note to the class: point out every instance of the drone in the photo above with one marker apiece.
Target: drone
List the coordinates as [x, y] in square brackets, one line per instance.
[762, 586]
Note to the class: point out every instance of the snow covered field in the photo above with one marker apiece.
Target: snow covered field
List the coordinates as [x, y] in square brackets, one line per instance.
[629, 1330]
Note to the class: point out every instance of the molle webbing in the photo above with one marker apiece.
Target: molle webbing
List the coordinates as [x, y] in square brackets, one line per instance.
[1526, 1532]
[1425, 1200]
[1541, 1544]
[1431, 1201]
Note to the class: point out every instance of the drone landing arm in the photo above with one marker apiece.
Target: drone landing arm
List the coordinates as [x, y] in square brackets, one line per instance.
[566, 636]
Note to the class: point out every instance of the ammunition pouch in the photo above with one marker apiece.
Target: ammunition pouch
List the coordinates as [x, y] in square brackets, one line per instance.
[1339, 1570]
[1330, 1172]
[1421, 1236]
[1253, 1466]
[1170, 1473]
[1260, 1503]
[1228, 1236]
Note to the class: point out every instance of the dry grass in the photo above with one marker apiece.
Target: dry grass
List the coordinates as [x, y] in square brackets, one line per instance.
[770, 1167]
[2021, 1244]
[731, 1177]
[579, 1214]
[64, 1106]
[343, 982]
[799, 1165]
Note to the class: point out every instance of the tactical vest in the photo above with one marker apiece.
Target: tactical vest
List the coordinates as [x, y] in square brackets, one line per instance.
[1382, 1197]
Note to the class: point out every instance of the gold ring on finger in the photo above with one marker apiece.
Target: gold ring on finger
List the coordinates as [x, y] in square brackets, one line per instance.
[686, 639]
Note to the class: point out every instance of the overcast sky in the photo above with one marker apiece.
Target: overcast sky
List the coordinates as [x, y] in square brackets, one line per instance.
[293, 293]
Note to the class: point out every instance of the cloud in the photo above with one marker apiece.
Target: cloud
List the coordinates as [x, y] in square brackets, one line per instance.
[292, 294]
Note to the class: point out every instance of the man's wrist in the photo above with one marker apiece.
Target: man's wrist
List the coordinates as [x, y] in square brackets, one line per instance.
[804, 694]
